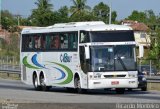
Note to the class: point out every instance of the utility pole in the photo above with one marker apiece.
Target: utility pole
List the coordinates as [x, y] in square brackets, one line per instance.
[0, 11]
[110, 13]
[18, 19]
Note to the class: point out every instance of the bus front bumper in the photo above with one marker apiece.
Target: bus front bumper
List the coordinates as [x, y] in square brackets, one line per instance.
[113, 83]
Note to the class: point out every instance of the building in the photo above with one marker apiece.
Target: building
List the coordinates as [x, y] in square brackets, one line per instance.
[140, 32]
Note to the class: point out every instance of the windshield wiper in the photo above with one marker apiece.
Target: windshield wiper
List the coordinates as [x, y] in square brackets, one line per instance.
[122, 63]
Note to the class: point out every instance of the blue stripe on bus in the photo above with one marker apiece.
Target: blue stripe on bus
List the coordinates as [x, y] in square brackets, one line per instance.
[34, 60]
[62, 72]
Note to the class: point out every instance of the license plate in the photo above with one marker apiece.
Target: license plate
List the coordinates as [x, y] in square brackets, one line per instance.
[115, 82]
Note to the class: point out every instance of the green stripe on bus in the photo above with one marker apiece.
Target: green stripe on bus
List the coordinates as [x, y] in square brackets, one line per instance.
[70, 74]
[27, 64]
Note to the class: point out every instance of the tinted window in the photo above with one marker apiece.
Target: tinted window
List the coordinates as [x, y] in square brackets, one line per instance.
[112, 36]
[84, 37]
[85, 66]
[50, 42]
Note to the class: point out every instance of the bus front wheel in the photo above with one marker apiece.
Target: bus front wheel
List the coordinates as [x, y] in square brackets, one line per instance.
[77, 85]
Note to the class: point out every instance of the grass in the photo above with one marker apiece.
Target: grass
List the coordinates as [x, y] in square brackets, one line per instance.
[5, 75]
[153, 86]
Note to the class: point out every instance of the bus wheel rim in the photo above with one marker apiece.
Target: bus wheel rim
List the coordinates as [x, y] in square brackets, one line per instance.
[36, 82]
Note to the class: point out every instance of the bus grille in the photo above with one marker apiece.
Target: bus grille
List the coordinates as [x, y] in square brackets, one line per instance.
[112, 76]
[24, 73]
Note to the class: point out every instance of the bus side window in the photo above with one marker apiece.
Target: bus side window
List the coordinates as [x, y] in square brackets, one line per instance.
[30, 43]
[55, 42]
[84, 37]
[43, 42]
[48, 41]
[37, 42]
[64, 41]
[73, 41]
[25, 40]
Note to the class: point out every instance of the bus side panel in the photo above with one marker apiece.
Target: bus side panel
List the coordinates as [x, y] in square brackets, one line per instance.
[27, 68]
[60, 68]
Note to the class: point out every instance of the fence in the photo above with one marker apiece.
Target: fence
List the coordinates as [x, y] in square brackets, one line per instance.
[9, 60]
[9, 65]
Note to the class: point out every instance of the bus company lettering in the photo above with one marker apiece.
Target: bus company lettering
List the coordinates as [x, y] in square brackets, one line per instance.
[65, 58]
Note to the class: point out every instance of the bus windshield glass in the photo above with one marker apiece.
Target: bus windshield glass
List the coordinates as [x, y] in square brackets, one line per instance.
[112, 58]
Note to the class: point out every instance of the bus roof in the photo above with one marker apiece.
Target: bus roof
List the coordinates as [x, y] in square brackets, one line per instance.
[75, 26]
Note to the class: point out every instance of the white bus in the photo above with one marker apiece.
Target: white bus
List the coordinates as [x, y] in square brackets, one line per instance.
[79, 55]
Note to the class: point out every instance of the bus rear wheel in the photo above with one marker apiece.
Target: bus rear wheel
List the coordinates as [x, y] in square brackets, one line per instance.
[43, 84]
[35, 83]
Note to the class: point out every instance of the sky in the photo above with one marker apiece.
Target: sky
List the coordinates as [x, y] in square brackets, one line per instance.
[123, 8]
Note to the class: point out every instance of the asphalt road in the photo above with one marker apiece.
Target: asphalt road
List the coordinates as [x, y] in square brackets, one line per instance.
[17, 92]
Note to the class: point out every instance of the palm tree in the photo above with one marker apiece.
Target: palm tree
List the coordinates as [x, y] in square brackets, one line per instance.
[79, 6]
[44, 4]
[101, 11]
[43, 14]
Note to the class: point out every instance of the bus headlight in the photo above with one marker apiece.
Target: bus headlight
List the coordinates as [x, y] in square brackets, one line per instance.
[97, 75]
[90, 75]
[143, 79]
[132, 75]
[94, 75]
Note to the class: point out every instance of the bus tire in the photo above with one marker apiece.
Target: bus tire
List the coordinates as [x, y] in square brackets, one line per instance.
[77, 84]
[144, 89]
[43, 84]
[120, 90]
[35, 83]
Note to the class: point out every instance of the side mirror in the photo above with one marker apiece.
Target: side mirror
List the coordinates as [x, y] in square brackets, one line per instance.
[141, 51]
[87, 52]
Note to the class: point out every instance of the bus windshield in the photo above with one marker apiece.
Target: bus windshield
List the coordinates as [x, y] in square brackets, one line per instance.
[113, 58]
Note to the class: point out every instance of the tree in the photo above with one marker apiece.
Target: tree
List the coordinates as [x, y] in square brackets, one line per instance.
[150, 17]
[62, 15]
[7, 20]
[43, 15]
[79, 7]
[114, 16]
[83, 17]
[155, 45]
[138, 16]
[101, 11]
[154, 53]
[25, 22]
